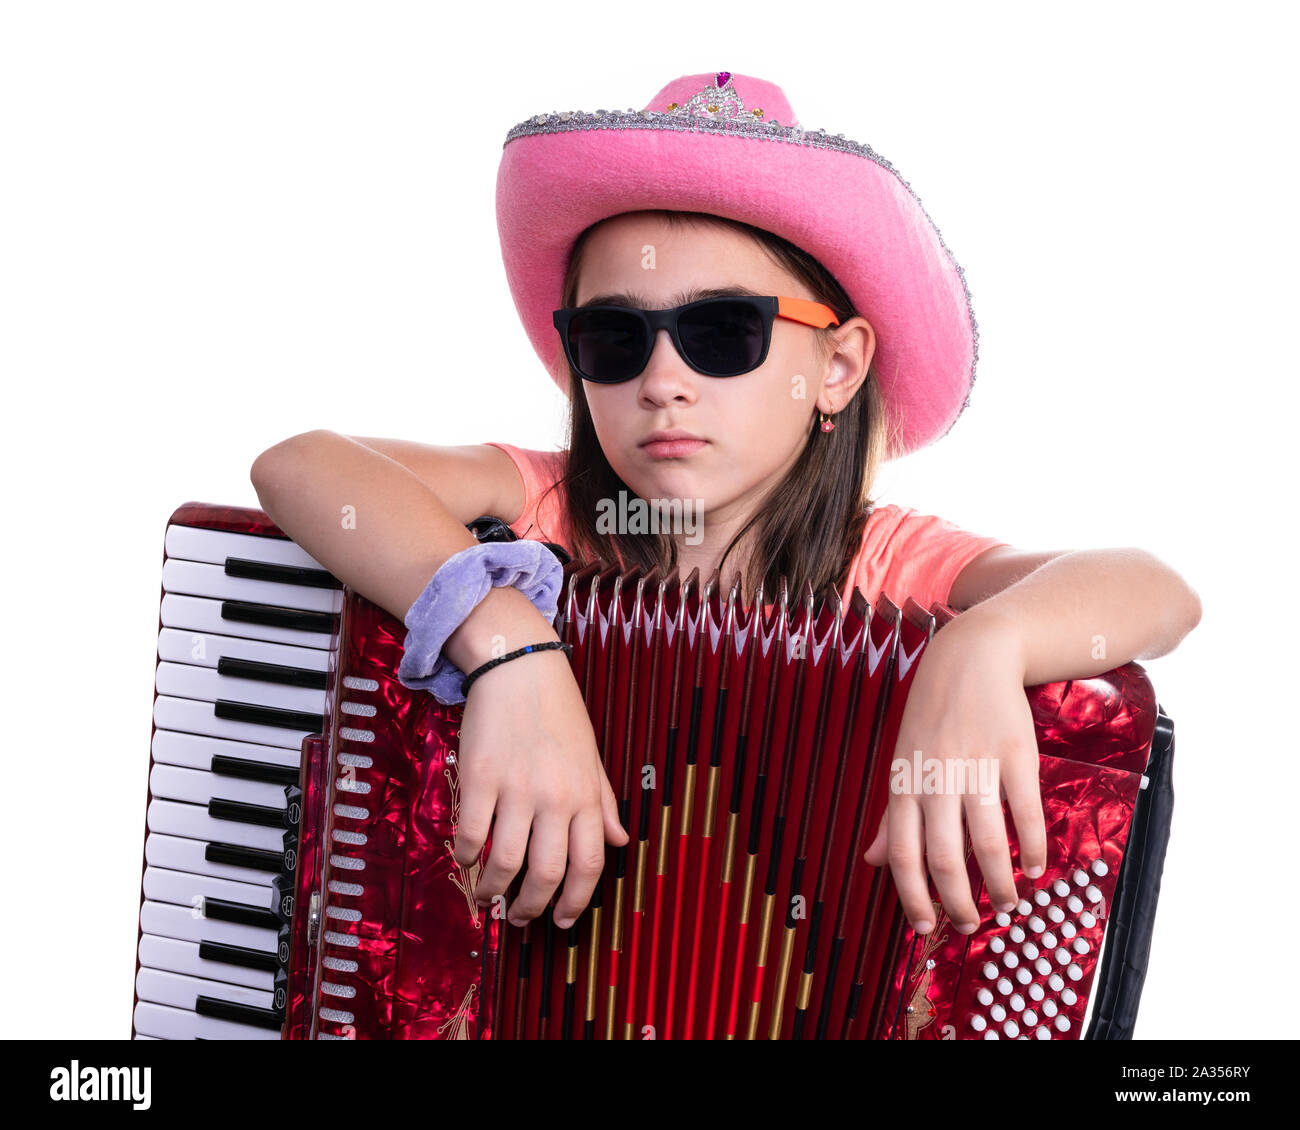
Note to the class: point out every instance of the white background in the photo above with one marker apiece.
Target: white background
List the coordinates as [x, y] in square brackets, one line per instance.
[222, 224]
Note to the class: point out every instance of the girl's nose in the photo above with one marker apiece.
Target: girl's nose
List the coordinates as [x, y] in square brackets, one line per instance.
[666, 373]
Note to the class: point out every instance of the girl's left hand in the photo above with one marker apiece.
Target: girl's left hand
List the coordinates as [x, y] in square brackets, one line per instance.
[967, 729]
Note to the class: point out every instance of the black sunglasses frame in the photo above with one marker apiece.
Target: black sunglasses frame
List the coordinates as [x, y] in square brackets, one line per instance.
[656, 320]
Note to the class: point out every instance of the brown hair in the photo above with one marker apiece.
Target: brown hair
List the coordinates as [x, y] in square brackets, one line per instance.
[810, 526]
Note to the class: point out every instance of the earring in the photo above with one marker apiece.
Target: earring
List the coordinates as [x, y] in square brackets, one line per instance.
[828, 425]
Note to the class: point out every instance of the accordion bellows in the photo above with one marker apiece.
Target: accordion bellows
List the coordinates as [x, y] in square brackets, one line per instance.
[299, 881]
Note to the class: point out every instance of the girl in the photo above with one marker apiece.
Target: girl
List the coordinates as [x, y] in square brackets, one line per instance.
[747, 318]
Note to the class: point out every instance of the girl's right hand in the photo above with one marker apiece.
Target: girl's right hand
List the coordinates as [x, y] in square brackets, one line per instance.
[528, 756]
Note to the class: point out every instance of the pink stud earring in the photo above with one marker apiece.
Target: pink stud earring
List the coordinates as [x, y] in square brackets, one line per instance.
[828, 425]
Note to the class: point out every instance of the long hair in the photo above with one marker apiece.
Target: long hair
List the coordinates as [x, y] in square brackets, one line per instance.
[810, 526]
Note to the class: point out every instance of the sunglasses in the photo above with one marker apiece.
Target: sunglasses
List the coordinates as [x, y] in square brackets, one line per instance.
[719, 337]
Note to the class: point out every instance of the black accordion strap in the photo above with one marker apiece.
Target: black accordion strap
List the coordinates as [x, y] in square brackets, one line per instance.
[1123, 969]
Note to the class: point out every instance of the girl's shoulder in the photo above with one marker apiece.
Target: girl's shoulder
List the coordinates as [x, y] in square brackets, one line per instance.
[907, 553]
[542, 518]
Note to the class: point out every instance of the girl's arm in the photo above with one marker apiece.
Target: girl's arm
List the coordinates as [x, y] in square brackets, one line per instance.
[1078, 615]
[381, 526]
[528, 754]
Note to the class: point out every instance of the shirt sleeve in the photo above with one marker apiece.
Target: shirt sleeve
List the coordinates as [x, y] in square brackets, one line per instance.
[542, 518]
[916, 555]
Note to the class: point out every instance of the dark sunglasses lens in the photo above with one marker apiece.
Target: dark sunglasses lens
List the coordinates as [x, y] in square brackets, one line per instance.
[607, 345]
[724, 338]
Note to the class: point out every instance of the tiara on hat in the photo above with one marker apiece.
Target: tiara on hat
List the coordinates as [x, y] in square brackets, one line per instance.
[720, 101]
[717, 108]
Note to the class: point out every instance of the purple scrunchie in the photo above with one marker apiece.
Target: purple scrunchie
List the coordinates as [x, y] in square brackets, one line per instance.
[454, 592]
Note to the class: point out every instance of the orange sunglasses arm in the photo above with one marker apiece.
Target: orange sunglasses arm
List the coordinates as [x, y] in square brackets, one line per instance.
[809, 313]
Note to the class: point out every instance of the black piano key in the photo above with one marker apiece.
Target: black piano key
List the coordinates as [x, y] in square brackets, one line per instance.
[283, 574]
[269, 716]
[273, 616]
[248, 770]
[243, 956]
[223, 910]
[241, 1013]
[237, 855]
[278, 673]
[260, 814]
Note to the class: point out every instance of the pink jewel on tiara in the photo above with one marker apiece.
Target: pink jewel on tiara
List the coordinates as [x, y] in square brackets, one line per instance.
[721, 101]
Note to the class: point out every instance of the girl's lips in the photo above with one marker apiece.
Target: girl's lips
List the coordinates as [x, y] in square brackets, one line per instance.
[673, 448]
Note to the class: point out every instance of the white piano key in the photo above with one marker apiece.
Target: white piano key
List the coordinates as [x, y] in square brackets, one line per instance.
[180, 990]
[195, 717]
[183, 889]
[194, 578]
[176, 818]
[205, 648]
[199, 614]
[177, 853]
[183, 957]
[171, 921]
[166, 1023]
[193, 543]
[198, 786]
[183, 680]
[196, 751]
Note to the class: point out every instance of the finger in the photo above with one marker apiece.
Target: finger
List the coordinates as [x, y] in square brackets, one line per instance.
[877, 853]
[548, 852]
[988, 837]
[1020, 783]
[945, 856]
[586, 861]
[905, 848]
[474, 821]
[509, 843]
[614, 831]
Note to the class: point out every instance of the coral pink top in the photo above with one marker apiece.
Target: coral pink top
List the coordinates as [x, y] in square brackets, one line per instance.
[903, 553]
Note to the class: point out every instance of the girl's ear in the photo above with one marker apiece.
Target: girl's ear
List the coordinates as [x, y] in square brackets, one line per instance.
[848, 365]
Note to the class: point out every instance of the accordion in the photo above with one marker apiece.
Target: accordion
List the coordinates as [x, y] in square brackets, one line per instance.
[298, 880]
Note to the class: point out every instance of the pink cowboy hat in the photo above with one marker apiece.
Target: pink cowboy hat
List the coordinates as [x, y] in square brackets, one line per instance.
[730, 145]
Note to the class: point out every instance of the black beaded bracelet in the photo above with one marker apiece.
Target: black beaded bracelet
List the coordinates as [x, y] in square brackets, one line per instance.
[549, 646]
